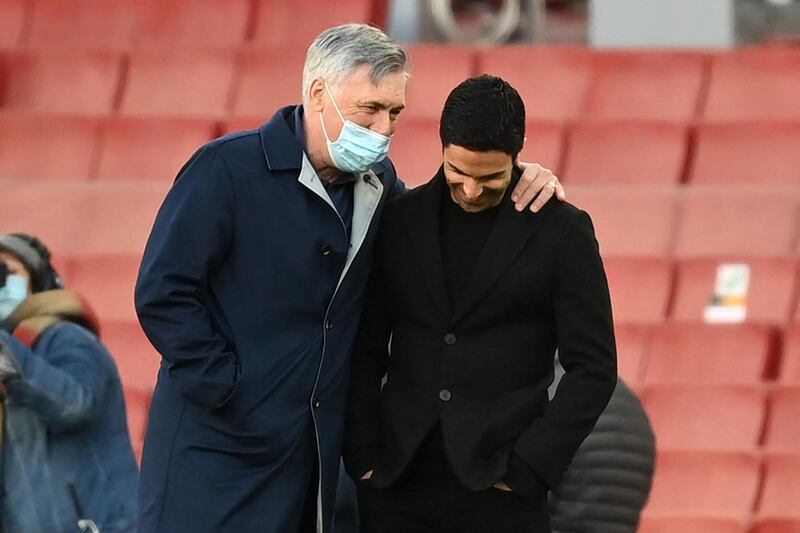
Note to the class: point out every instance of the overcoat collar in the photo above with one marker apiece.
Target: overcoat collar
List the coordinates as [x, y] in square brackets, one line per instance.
[508, 236]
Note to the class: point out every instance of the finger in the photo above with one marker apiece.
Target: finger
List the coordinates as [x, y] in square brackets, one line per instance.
[539, 180]
[544, 196]
[525, 181]
[561, 193]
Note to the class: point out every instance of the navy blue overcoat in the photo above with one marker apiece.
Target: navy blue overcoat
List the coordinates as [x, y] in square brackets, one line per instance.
[251, 291]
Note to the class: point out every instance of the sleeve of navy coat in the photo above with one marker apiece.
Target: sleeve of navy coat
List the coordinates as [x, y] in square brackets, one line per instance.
[587, 351]
[66, 387]
[189, 240]
[370, 362]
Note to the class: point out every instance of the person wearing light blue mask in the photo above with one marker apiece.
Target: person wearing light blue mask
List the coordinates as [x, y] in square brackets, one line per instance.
[357, 148]
[67, 458]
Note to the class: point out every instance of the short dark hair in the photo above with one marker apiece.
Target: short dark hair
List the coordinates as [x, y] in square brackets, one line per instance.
[483, 114]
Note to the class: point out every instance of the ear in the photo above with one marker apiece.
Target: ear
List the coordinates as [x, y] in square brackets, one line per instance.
[316, 95]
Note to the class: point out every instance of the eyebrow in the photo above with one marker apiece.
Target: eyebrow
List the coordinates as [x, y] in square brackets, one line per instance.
[381, 105]
[484, 177]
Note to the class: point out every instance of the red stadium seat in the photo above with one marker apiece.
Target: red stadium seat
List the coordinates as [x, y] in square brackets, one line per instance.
[754, 84]
[686, 417]
[747, 152]
[199, 23]
[704, 483]
[416, 151]
[552, 81]
[699, 524]
[115, 218]
[47, 147]
[790, 365]
[720, 221]
[279, 22]
[196, 83]
[269, 79]
[435, 71]
[544, 144]
[640, 288]
[85, 83]
[629, 221]
[784, 424]
[44, 209]
[150, 149]
[631, 343]
[705, 355]
[84, 219]
[778, 526]
[769, 298]
[646, 85]
[107, 282]
[137, 360]
[106, 25]
[626, 152]
[12, 22]
[781, 490]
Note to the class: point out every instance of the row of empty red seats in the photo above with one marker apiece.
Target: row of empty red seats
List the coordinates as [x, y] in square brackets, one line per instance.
[682, 524]
[693, 353]
[724, 417]
[38, 146]
[121, 24]
[556, 83]
[724, 484]
[647, 290]
[693, 222]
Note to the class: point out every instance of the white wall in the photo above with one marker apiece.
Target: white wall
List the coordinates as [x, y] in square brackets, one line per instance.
[662, 23]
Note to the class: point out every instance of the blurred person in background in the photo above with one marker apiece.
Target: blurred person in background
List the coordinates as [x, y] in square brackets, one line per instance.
[251, 288]
[449, 427]
[67, 460]
[608, 481]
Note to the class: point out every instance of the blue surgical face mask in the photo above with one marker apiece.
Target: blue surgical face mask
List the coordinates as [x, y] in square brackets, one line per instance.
[14, 293]
[357, 148]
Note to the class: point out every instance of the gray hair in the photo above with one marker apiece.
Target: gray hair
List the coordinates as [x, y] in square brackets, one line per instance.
[338, 51]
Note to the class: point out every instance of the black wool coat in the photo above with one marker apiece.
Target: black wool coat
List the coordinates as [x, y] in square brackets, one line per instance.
[480, 367]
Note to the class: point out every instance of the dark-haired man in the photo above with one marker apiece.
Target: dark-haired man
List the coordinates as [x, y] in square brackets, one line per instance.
[449, 426]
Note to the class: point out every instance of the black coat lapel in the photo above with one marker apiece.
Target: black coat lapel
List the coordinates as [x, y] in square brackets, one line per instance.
[506, 240]
[423, 220]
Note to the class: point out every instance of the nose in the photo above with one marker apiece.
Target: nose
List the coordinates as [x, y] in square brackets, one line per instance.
[471, 189]
[383, 124]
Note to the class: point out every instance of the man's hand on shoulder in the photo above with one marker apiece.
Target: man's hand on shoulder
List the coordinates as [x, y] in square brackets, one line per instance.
[536, 187]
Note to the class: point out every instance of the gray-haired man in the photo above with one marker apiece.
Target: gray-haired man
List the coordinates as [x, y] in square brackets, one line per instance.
[251, 288]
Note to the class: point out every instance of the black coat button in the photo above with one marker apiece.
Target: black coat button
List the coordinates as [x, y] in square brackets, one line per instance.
[316, 404]
[450, 338]
[329, 324]
[326, 249]
[445, 395]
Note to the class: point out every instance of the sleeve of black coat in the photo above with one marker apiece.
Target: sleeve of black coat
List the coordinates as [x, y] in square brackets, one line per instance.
[370, 363]
[189, 240]
[587, 351]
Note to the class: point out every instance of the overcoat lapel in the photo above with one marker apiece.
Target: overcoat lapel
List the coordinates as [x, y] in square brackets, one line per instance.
[423, 222]
[506, 240]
